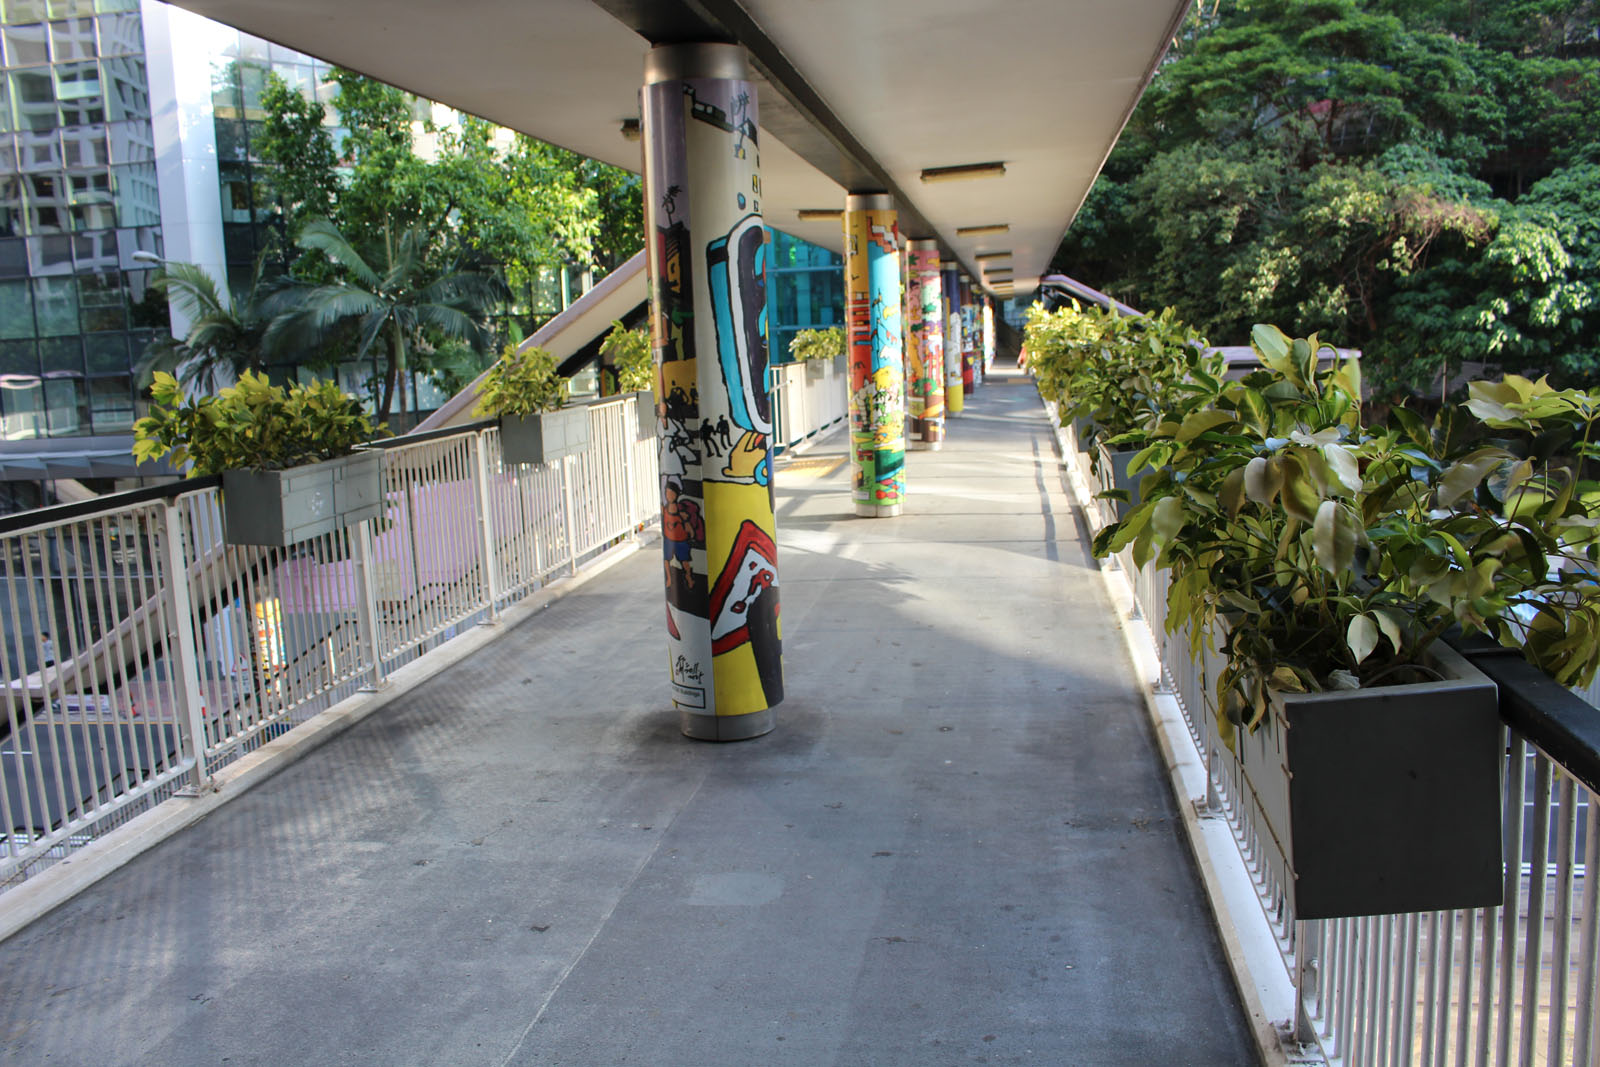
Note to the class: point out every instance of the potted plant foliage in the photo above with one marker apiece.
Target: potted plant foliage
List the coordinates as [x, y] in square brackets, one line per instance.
[815, 348]
[289, 458]
[1117, 377]
[1326, 560]
[628, 353]
[524, 391]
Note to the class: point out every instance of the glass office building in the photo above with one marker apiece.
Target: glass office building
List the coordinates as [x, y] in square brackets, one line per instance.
[805, 291]
[78, 197]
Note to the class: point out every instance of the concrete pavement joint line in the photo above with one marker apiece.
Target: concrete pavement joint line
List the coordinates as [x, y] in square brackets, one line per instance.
[48, 890]
[605, 920]
[1216, 854]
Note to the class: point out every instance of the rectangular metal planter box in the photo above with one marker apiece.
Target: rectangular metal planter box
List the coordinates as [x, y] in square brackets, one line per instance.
[645, 409]
[1083, 433]
[816, 368]
[286, 507]
[544, 437]
[1385, 800]
[1114, 475]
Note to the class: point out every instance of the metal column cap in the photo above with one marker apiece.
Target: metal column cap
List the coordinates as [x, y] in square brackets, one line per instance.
[701, 59]
[868, 202]
[924, 244]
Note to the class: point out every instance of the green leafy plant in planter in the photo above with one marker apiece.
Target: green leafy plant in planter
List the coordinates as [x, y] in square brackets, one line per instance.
[252, 433]
[629, 352]
[1116, 378]
[251, 425]
[825, 343]
[1326, 560]
[523, 389]
[1538, 472]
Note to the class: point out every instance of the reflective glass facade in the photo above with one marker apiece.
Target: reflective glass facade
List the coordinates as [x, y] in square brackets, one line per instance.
[77, 198]
[805, 291]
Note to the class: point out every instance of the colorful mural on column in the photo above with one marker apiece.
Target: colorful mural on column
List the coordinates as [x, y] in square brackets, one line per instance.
[874, 337]
[950, 302]
[968, 332]
[708, 257]
[988, 333]
[925, 345]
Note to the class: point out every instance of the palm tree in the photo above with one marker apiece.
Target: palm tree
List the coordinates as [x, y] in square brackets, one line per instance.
[403, 304]
[225, 338]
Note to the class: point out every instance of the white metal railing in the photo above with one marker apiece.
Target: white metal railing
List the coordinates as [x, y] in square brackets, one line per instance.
[808, 397]
[1515, 984]
[141, 653]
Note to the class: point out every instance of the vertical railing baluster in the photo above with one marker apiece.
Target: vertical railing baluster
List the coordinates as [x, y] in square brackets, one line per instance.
[1586, 1022]
[1533, 950]
[480, 475]
[1510, 910]
[366, 594]
[1561, 938]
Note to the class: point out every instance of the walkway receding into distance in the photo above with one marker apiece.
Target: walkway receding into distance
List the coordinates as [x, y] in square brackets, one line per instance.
[959, 845]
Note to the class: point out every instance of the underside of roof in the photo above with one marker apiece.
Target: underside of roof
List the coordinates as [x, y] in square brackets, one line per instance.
[853, 97]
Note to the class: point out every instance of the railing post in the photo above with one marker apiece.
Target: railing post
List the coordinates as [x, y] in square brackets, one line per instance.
[629, 451]
[367, 603]
[567, 516]
[181, 659]
[1307, 968]
[491, 562]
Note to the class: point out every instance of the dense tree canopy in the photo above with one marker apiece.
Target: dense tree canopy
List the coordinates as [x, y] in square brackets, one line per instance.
[480, 202]
[1417, 178]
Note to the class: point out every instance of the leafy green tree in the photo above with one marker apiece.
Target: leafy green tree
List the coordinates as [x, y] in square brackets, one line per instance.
[225, 338]
[1405, 176]
[401, 307]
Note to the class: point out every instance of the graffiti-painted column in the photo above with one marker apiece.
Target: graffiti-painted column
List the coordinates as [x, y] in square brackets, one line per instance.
[707, 259]
[950, 303]
[877, 375]
[968, 331]
[988, 334]
[925, 348]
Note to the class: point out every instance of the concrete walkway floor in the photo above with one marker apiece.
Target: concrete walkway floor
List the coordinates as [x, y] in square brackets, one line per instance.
[959, 846]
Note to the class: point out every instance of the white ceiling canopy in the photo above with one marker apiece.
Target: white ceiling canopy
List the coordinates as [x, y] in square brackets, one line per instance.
[854, 95]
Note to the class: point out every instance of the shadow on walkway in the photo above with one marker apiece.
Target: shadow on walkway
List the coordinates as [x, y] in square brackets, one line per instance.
[959, 845]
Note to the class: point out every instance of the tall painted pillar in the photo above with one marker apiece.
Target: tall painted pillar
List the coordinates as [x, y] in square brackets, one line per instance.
[968, 347]
[877, 362]
[925, 348]
[988, 334]
[707, 261]
[950, 303]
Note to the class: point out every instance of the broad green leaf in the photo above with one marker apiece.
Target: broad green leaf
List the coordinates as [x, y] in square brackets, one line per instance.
[1232, 495]
[1342, 461]
[1362, 637]
[1201, 421]
[1334, 535]
[1263, 478]
[1300, 496]
[1166, 518]
[1392, 625]
[1464, 476]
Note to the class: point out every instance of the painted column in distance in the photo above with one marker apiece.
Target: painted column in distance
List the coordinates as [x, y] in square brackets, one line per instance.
[950, 303]
[969, 379]
[874, 340]
[988, 333]
[925, 346]
[707, 255]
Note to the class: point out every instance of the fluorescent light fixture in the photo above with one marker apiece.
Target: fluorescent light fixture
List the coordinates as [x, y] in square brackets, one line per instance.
[989, 257]
[813, 214]
[975, 231]
[996, 169]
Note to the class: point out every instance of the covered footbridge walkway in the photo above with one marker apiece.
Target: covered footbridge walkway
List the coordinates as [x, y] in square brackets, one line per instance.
[959, 845]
